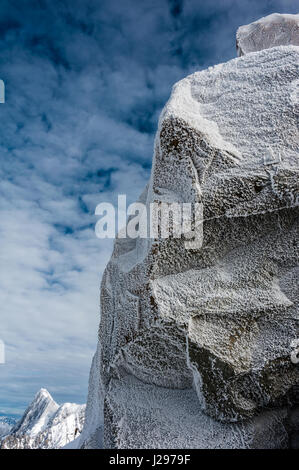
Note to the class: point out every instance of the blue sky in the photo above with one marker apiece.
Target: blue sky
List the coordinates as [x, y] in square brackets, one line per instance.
[85, 83]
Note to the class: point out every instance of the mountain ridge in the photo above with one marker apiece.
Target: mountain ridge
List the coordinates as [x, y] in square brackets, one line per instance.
[45, 424]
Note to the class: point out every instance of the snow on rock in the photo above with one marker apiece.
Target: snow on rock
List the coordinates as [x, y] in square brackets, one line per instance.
[194, 344]
[270, 31]
[92, 434]
[46, 425]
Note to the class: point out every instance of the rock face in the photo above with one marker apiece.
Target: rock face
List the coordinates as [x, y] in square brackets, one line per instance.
[46, 425]
[273, 30]
[195, 344]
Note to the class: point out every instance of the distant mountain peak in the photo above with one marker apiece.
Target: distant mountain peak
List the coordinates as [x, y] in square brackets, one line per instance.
[37, 415]
[45, 424]
[42, 396]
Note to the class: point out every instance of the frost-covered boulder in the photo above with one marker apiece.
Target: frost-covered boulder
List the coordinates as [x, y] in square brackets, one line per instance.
[270, 31]
[46, 425]
[195, 344]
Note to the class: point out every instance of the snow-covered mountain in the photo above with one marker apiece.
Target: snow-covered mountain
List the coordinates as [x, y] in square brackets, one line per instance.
[46, 425]
[270, 31]
[6, 424]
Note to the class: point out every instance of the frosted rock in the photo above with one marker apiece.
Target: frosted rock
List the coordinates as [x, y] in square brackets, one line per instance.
[92, 434]
[194, 344]
[46, 425]
[270, 31]
[139, 415]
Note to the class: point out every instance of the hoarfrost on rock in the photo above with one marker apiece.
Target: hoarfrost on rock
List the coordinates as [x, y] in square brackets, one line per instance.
[6, 424]
[194, 345]
[270, 31]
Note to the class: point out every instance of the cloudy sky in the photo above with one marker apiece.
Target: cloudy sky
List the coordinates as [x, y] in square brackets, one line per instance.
[85, 83]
